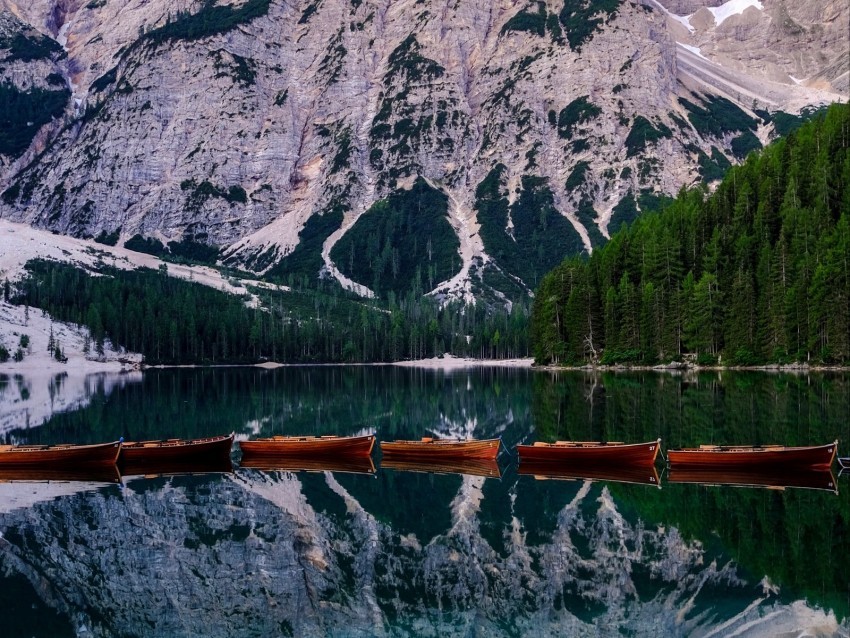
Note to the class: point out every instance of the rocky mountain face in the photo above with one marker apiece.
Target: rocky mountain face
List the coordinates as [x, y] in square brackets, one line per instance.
[457, 148]
[308, 555]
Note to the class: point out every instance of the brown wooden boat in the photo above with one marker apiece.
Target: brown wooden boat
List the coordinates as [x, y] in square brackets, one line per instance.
[171, 451]
[591, 452]
[347, 464]
[430, 449]
[636, 474]
[85, 474]
[307, 446]
[818, 457]
[488, 468]
[767, 477]
[62, 455]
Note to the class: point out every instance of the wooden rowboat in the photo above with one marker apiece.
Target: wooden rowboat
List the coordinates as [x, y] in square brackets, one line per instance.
[818, 457]
[307, 446]
[771, 478]
[636, 474]
[586, 452]
[63, 455]
[169, 451]
[430, 449]
[347, 464]
[488, 468]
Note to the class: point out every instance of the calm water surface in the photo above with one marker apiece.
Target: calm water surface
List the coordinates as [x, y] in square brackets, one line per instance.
[403, 553]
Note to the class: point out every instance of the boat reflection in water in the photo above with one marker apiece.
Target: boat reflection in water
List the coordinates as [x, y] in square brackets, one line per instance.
[768, 477]
[487, 468]
[171, 467]
[95, 474]
[348, 465]
[542, 470]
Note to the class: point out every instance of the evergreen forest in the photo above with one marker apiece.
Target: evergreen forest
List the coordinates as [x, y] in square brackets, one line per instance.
[201, 325]
[756, 272]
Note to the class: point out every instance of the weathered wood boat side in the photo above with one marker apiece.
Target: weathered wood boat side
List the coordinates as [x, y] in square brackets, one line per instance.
[429, 449]
[819, 457]
[176, 450]
[63, 455]
[636, 474]
[587, 452]
[307, 446]
[766, 477]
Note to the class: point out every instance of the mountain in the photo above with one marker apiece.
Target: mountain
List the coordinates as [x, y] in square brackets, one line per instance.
[456, 148]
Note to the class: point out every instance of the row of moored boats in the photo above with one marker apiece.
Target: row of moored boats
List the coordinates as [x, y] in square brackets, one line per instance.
[630, 462]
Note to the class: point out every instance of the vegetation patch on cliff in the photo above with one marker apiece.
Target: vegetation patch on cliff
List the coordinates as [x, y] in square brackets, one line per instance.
[528, 238]
[23, 113]
[402, 243]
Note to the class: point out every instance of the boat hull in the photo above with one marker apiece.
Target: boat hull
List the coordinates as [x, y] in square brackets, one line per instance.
[52, 456]
[434, 450]
[172, 451]
[816, 457]
[771, 478]
[307, 447]
[633, 454]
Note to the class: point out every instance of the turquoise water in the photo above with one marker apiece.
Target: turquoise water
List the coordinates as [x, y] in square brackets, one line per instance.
[403, 553]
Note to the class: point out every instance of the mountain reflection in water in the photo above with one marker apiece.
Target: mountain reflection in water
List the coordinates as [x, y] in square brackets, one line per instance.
[261, 552]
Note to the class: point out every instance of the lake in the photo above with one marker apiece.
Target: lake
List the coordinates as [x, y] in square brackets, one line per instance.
[404, 553]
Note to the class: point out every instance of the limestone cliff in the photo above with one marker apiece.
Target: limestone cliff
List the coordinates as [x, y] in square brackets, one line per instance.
[272, 128]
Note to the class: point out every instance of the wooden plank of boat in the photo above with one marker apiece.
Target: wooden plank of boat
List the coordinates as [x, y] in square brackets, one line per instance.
[767, 477]
[307, 446]
[636, 474]
[431, 449]
[639, 454]
[66, 454]
[819, 457]
[177, 450]
[345, 464]
[488, 468]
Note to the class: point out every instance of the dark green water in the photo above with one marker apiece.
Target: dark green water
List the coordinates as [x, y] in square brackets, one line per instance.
[397, 553]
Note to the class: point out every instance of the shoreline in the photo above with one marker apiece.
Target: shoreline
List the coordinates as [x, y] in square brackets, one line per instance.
[770, 367]
[447, 362]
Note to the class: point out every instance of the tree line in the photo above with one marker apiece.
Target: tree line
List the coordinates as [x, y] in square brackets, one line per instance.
[173, 321]
[757, 272]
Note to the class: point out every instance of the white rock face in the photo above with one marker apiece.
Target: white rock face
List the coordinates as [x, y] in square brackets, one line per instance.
[240, 137]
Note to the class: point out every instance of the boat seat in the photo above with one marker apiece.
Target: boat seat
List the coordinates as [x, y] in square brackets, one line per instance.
[615, 443]
[709, 447]
[541, 444]
[427, 439]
